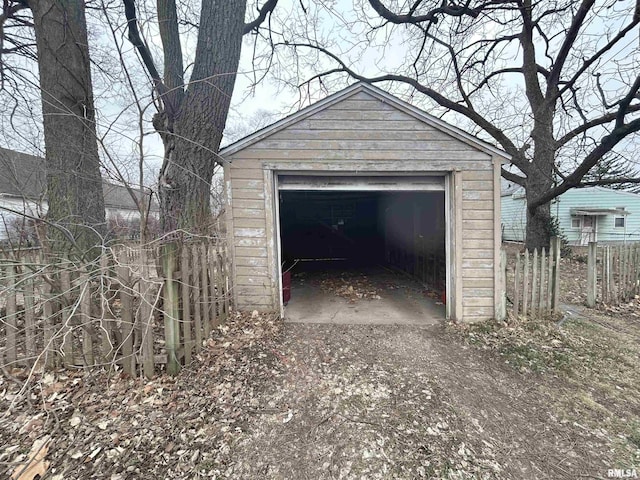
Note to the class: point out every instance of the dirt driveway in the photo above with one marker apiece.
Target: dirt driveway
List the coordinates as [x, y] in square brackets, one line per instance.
[267, 400]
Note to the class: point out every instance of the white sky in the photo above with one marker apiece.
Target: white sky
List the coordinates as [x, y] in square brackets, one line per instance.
[249, 105]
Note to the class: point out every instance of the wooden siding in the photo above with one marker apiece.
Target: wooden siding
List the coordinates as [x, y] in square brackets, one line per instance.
[360, 134]
[478, 275]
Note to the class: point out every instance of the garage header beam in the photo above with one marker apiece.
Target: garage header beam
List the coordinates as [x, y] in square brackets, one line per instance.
[361, 183]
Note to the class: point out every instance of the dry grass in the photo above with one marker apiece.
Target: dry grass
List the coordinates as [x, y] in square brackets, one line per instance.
[597, 359]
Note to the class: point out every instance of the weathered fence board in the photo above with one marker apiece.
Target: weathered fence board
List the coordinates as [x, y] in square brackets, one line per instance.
[122, 311]
[613, 272]
[535, 281]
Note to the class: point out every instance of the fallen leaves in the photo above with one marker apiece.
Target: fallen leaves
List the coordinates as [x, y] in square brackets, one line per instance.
[350, 285]
[35, 466]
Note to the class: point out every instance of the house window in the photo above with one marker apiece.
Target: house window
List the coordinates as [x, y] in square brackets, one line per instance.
[619, 222]
[575, 222]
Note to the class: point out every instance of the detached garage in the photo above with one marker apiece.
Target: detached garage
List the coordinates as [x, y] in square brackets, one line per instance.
[372, 197]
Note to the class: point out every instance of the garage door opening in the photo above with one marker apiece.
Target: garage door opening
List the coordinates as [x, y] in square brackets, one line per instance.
[363, 256]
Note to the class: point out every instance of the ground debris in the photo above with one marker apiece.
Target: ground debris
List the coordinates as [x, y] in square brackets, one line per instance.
[265, 399]
[352, 286]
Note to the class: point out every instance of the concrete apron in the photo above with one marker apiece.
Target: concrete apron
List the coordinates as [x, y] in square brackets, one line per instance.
[404, 305]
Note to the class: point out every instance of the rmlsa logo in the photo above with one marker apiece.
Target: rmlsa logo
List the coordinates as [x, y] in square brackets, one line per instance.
[622, 473]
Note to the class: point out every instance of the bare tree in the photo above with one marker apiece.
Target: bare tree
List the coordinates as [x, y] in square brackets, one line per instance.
[74, 187]
[555, 84]
[191, 115]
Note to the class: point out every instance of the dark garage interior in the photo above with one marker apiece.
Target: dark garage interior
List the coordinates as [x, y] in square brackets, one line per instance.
[351, 255]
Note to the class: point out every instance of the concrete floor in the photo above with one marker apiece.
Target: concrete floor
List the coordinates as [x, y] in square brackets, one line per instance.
[404, 304]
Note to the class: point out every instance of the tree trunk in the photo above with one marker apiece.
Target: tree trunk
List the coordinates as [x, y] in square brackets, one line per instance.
[539, 226]
[539, 180]
[74, 185]
[193, 137]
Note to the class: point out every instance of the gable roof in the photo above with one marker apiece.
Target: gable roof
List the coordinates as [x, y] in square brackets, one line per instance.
[379, 94]
[24, 176]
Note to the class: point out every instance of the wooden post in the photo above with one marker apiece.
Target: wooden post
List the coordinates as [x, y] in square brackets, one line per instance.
[534, 284]
[106, 316]
[11, 353]
[186, 287]
[623, 273]
[549, 279]
[171, 307]
[525, 284]
[226, 278]
[204, 284]
[67, 317]
[220, 282]
[127, 317]
[605, 276]
[591, 274]
[541, 300]
[610, 276]
[197, 314]
[555, 249]
[86, 319]
[615, 268]
[516, 286]
[48, 314]
[212, 283]
[502, 310]
[145, 321]
[29, 314]
[632, 278]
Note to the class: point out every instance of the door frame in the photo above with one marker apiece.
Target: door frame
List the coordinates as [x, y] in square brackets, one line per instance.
[450, 220]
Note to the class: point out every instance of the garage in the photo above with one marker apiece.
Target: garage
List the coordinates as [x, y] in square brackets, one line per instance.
[362, 208]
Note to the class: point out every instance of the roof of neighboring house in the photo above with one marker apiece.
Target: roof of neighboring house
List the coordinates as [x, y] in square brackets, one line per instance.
[23, 175]
[509, 189]
[380, 94]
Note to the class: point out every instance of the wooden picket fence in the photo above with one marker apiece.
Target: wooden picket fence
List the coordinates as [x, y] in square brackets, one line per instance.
[533, 280]
[143, 309]
[613, 273]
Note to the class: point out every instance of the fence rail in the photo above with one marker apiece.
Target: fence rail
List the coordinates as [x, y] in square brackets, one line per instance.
[137, 307]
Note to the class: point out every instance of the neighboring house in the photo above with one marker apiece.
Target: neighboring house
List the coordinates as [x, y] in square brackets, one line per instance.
[584, 215]
[22, 190]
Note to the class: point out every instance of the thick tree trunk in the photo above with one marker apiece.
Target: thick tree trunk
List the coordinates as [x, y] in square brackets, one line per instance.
[192, 138]
[74, 185]
[539, 181]
[539, 223]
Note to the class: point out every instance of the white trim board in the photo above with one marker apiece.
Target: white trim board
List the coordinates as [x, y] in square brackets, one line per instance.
[361, 183]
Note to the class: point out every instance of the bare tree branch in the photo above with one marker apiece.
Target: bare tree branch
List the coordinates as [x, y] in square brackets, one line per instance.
[451, 10]
[574, 179]
[262, 14]
[567, 44]
[604, 119]
[136, 39]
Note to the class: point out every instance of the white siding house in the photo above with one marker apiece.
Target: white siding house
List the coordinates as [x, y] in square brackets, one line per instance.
[584, 214]
[22, 190]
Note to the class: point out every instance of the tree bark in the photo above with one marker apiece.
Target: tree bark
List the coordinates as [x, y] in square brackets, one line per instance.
[539, 181]
[74, 185]
[192, 138]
